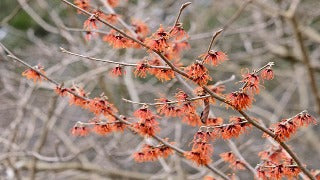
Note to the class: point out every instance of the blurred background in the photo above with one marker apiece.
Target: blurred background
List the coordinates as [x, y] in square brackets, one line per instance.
[35, 138]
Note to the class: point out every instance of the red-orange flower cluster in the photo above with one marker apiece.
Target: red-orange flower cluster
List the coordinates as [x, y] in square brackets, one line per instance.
[97, 105]
[284, 129]
[118, 71]
[91, 23]
[214, 57]
[236, 127]
[80, 131]
[159, 40]
[32, 74]
[140, 28]
[147, 124]
[239, 100]
[267, 73]
[117, 40]
[83, 4]
[276, 164]
[201, 150]
[178, 32]
[251, 83]
[167, 109]
[161, 74]
[142, 69]
[113, 3]
[198, 73]
[152, 153]
[270, 170]
[232, 160]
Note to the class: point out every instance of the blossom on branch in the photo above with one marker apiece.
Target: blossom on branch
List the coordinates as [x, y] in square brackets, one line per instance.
[83, 4]
[201, 151]
[214, 57]
[198, 73]
[32, 74]
[239, 100]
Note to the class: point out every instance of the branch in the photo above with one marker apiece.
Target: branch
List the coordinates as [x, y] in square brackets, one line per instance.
[179, 14]
[306, 60]
[109, 61]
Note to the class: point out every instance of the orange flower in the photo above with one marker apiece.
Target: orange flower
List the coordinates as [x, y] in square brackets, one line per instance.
[80, 130]
[118, 71]
[198, 158]
[168, 110]
[236, 127]
[285, 128]
[152, 153]
[267, 74]
[100, 105]
[119, 126]
[181, 96]
[141, 69]
[192, 118]
[178, 32]
[177, 48]
[113, 3]
[239, 165]
[164, 74]
[303, 119]
[214, 121]
[111, 18]
[61, 91]
[251, 83]
[139, 157]
[89, 35]
[198, 73]
[214, 57]
[143, 113]
[228, 157]
[161, 74]
[273, 154]
[78, 101]
[147, 125]
[188, 107]
[291, 171]
[232, 160]
[239, 100]
[158, 40]
[157, 44]
[117, 41]
[232, 130]
[90, 23]
[102, 128]
[83, 4]
[32, 74]
[140, 27]
[201, 151]
[269, 170]
[209, 178]
[146, 129]
[165, 151]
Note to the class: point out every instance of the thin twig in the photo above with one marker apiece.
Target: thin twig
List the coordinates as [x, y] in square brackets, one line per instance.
[215, 35]
[176, 22]
[109, 61]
